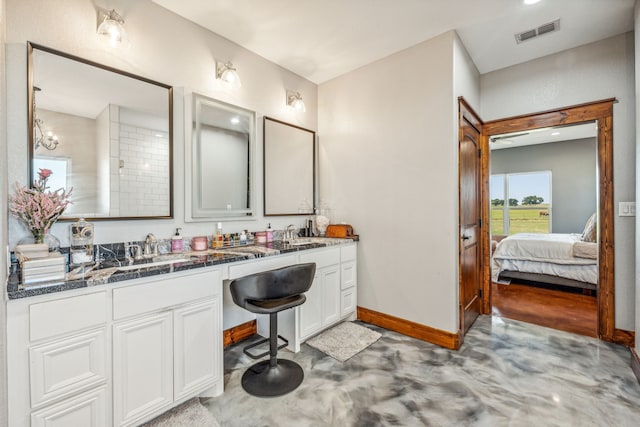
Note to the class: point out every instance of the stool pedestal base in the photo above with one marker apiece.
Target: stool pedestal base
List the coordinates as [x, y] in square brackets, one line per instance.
[265, 381]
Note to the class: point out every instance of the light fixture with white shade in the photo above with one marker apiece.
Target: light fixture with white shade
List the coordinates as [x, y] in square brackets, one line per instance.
[226, 72]
[112, 27]
[295, 102]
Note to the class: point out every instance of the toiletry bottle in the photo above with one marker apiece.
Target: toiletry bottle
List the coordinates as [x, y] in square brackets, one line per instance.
[176, 242]
[219, 236]
[243, 237]
[269, 233]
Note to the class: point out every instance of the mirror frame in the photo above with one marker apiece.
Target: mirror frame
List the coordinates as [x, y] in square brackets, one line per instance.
[30, 78]
[193, 214]
[266, 167]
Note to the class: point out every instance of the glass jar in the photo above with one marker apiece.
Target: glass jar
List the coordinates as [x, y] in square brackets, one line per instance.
[81, 243]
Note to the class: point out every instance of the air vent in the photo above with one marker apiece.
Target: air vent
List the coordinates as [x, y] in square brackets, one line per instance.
[537, 32]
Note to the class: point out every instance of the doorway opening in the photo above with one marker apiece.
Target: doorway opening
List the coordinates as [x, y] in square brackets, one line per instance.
[600, 113]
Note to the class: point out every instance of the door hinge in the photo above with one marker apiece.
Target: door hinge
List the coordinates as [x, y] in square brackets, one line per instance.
[479, 153]
[480, 223]
[480, 293]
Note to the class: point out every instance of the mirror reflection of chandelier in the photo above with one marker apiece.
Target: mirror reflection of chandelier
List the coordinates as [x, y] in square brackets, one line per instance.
[48, 140]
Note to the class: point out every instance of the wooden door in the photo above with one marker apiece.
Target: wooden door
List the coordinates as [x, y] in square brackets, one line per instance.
[470, 129]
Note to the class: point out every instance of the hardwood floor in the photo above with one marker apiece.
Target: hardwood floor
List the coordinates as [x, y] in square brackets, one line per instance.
[552, 308]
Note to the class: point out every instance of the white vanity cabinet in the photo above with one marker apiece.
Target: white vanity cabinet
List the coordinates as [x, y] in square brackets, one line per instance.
[167, 347]
[348, 280]
[114, 354]
[322, 307]
[331, 298]
[58, 361]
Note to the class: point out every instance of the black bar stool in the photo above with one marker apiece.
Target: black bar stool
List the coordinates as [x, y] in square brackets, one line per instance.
[270, 292]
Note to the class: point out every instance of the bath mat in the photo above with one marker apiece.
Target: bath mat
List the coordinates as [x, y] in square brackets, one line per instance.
[344, 341]
[189, 414]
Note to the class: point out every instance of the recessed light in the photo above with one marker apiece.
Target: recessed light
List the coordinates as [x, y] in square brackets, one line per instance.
[530, 1]
[555, 133]
[235, 120]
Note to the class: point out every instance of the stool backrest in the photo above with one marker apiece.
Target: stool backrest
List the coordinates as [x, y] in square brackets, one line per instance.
[273, 284]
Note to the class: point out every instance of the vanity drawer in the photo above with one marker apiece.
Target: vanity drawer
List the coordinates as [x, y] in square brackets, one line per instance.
[66, 367]
[253, 267]
[322, 258]
[348, 253]
[164, 293]
[67, 315]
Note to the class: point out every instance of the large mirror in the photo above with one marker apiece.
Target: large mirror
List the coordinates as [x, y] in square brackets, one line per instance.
[104, 132]
[289, 169]
[220, 158]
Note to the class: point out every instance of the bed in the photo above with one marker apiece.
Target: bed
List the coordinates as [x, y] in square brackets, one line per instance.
[558, 259]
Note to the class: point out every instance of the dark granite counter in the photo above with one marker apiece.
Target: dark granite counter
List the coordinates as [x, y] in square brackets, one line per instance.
[110, 272]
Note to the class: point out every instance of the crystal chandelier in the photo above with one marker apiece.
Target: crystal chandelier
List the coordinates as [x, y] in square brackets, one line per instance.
[48, 140]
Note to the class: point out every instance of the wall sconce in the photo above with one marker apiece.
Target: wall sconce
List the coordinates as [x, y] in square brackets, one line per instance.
[226, 72]
[112, 27]
[295, 102]
[48, 141]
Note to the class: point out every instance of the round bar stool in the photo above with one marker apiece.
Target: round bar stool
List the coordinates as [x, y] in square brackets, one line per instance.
[271, 292]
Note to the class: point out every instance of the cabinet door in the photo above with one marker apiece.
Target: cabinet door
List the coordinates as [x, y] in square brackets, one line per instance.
[142, 367]
[311, 310]
[197, 347]
[348, 304]
[87, 410]
[330, 295]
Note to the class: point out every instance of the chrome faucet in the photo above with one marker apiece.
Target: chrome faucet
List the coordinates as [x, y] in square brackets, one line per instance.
[150, 245]
[129, 255]
[291, 232]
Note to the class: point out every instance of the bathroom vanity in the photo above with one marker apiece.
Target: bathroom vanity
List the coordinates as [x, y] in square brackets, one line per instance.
[124, 351]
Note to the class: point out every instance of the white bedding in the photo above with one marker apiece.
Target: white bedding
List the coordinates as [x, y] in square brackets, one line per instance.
[546, 254]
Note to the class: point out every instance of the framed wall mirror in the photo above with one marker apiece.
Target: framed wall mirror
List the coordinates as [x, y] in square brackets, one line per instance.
[220, 158]
[105, 132]
[289, 169]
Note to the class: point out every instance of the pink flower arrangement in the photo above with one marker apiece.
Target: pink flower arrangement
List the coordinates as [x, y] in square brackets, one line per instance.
[38, 207]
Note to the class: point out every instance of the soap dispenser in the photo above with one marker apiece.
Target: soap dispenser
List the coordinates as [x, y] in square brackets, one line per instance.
[176, 242]
[269, 233]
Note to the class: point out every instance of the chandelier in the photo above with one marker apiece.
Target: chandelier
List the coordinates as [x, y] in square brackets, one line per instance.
[48, 140]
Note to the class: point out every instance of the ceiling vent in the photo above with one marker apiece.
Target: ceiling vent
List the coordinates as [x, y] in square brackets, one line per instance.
[537, 32]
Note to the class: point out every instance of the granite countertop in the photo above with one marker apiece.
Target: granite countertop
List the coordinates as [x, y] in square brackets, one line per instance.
[111, 273]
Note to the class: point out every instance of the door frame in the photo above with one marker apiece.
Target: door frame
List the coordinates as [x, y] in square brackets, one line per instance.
[601, 112]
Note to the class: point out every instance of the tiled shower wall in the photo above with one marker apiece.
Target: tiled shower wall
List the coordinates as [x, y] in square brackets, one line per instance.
[139, 181]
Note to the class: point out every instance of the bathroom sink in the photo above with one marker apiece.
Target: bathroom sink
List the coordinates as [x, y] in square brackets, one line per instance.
[299, 242]
[155, 262]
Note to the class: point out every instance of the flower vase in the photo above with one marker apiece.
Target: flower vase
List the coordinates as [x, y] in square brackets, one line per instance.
[49, 239]
[52, 242]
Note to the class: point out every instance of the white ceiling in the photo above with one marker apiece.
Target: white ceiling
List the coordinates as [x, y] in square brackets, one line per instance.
[323, 39]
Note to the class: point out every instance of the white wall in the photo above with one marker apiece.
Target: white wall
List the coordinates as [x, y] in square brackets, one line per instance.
[388, 166]
[186, 62]
[3, 223]
[574, 180]
[600, 70]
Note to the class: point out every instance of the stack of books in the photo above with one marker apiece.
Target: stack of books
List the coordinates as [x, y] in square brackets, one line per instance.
[38, 265]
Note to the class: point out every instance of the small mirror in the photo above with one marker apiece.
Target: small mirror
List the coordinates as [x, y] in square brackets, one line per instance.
[104, 132]
[289, 169]
[220, 160]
